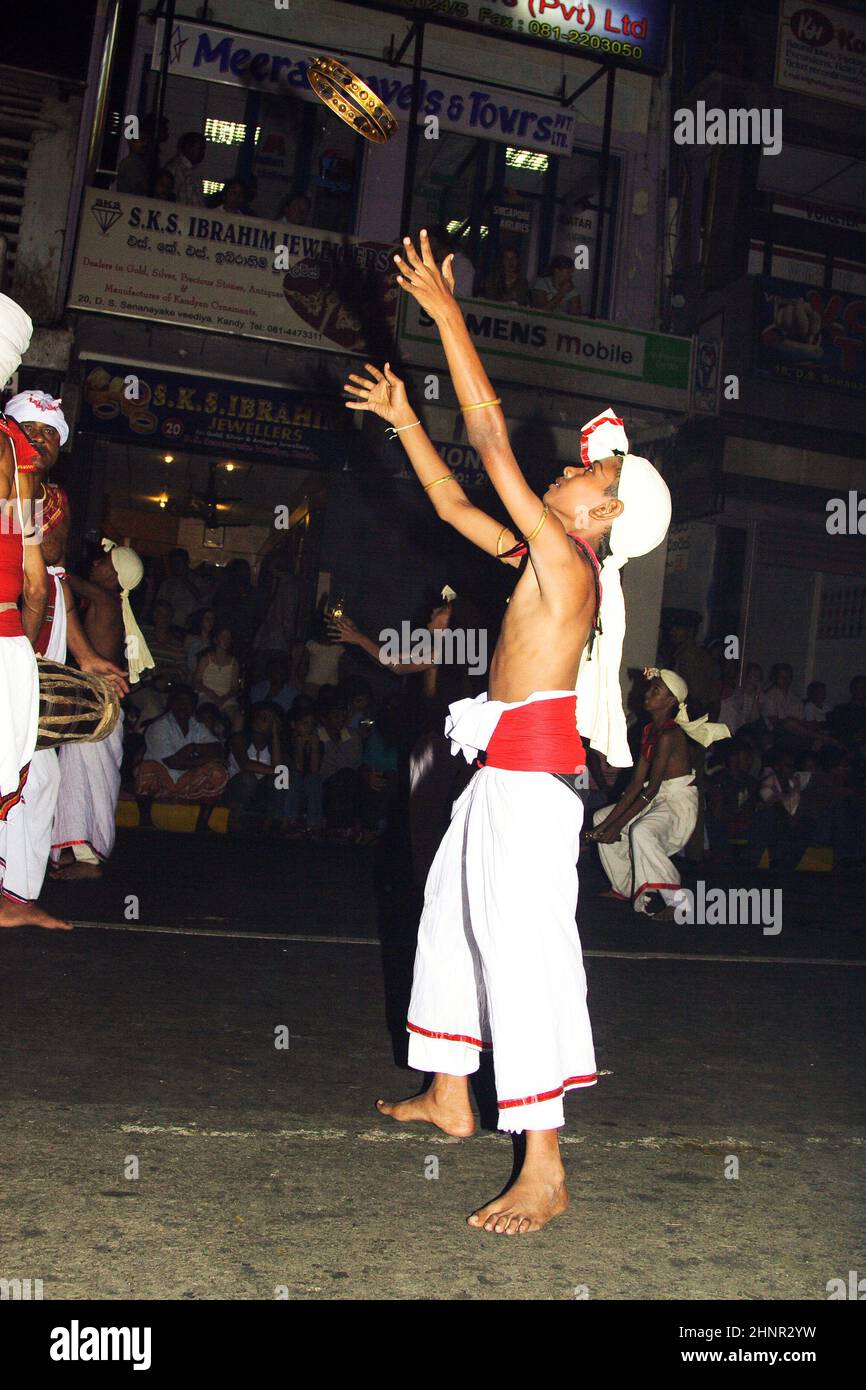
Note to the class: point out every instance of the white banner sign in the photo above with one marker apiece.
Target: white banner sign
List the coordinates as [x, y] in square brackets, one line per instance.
[822, 51]
[563, 353]
[266, 65]
[208, 268]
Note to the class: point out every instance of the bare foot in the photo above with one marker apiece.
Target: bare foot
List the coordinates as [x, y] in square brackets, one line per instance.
[78, 869]
[528, 1204]
[445, 1105]
[14, 914]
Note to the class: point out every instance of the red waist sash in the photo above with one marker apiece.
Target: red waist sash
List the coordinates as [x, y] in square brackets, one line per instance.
[539, 737]
[10, 623]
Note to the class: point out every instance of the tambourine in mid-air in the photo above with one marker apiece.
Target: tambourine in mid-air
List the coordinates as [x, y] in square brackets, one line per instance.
[353, 102]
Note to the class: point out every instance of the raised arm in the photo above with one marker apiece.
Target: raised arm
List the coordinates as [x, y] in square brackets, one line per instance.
[384, 394]
[559, 573]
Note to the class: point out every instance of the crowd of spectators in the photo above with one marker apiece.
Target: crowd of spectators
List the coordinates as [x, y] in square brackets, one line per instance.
[240, 711]
[793, 774]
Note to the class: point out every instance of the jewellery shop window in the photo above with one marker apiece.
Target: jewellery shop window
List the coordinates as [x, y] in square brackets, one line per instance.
[513, 217]
[264, 156]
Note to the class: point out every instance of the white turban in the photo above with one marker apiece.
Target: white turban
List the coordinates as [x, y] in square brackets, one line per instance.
[639, 528]
[129, 571]
[701, 730]
[38, 405]
[16, 330]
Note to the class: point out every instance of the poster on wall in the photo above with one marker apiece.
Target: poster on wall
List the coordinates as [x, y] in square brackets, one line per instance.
[216, 270]
[814, 336]
[139, 403]
[821, 50]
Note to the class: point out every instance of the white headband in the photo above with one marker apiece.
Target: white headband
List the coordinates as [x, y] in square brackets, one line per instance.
[38, 405]
[701, 730]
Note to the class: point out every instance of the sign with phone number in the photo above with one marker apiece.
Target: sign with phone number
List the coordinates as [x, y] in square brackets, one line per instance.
[632, 35]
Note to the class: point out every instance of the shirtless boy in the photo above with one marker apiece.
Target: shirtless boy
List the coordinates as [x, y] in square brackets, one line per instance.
[499, 961]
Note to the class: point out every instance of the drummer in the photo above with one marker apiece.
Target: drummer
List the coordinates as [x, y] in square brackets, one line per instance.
[29, 834]
[22, 577]
[84, 828]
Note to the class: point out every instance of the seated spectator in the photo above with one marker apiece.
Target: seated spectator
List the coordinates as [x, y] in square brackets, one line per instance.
[555, 291]
[295, 208]
[256, 751]
[320, 663]
[848, 721]
[742, 709]
[233, 198]
[837, 807]
[163, 186]
[816, 709]
[731, 796]
[199, 636]
[178, 588]
[276, 688]
[505, 283]
[218, 677]
[182, 760]
[213, 719]
[304, 807]
[343, 789]
[358, 695]
[779, 824]
[780, 706]
[166, 648]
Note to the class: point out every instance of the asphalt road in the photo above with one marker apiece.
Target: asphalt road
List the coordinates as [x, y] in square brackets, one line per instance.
[721, 1156]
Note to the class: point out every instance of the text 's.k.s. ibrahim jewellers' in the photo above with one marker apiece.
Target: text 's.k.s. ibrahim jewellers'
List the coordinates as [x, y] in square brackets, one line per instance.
[207, 268]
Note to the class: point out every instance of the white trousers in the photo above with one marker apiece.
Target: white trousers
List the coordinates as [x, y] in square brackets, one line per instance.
[499, 961]
[19, 709]
[84, 821]
[639, 863]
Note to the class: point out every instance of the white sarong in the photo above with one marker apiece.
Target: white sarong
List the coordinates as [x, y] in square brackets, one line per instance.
[26, 843]
[639, 863]
[499, 962]
[90, 775]
[19, 709]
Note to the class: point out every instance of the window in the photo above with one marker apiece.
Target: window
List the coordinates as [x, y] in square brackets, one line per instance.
[511, 211]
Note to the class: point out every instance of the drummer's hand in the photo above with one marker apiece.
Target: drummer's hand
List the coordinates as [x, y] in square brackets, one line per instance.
[113, 674]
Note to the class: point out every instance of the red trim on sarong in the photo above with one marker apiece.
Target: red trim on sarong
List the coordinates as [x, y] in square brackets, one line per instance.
[12, 798]
[14, 898]
[567, 1085]
[651, 887]
[538, 737]
[447, 1037]
[67, 844]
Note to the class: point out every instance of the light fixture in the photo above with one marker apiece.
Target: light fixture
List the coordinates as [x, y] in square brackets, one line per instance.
[230, 468]
[168, 458]
[163, 499]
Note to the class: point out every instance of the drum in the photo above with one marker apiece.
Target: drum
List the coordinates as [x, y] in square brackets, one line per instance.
[74, 706]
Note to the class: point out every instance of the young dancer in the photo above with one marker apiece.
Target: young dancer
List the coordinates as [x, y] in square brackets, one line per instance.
[499, 961]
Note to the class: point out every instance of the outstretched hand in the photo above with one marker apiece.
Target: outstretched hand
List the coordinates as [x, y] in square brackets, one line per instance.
[430, 286]
[381, 392]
